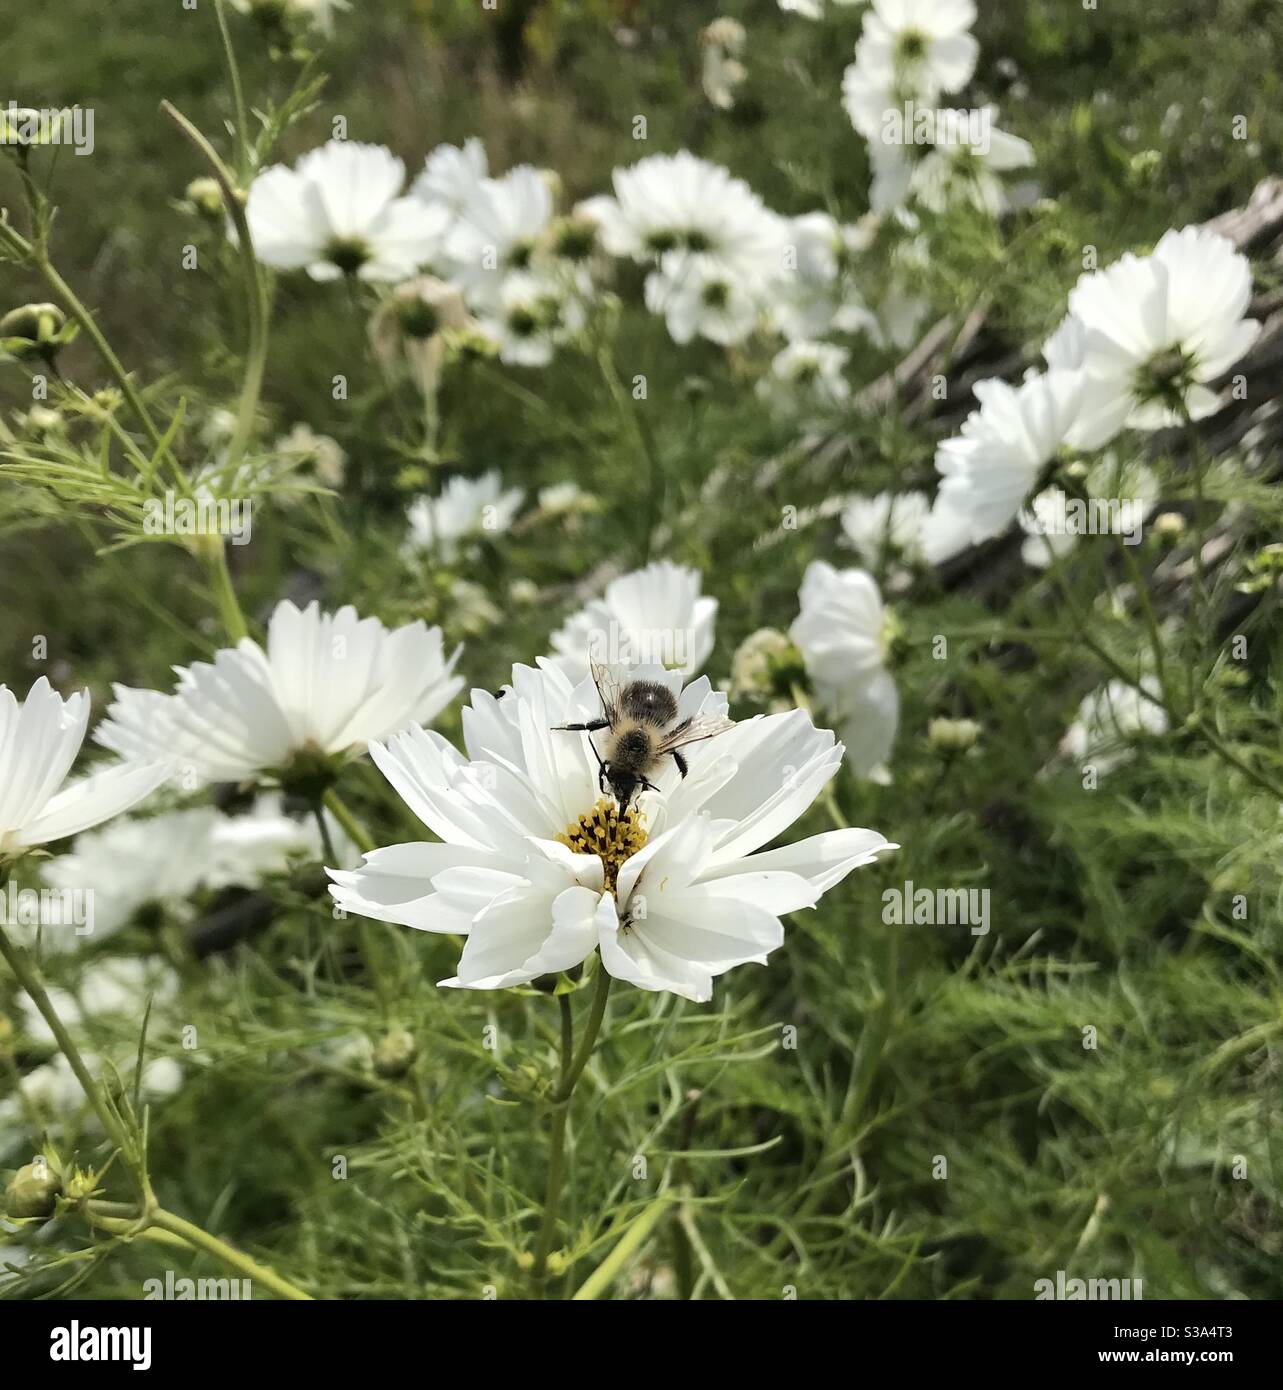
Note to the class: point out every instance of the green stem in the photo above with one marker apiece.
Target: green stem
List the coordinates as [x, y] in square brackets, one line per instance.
[255, 296]
[352, 827]
[241, 131]
[202, 1240]
[371, 954]
[573, 1063]
[220, 583]
[89, 325]
[17, 960]
[1151, 618]
[603, 1276]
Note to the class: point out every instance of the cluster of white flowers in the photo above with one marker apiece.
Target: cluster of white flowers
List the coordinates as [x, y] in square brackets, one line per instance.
[537, 866]
[1143, 341]
[504, 267]
[911, 54]
[344, 210]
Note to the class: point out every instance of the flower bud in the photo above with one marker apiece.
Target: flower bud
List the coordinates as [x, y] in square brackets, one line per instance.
[33, 1191]
[206, 197]
[1168, 526]
[394, 1053]
[766, 665]
[35, 330]
[953, 735]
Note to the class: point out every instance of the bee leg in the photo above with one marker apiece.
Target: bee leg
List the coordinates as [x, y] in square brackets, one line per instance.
[591, 727]
[648, 786]
[681, 763]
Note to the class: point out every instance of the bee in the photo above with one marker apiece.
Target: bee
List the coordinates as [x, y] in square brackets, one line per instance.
[644, 730]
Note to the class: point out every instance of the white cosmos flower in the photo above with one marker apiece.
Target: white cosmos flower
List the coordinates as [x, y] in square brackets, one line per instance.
[967, 171]
[675, 895]
[339, 211]
[841, 632]
[886, 526]
[39, 741]
[805, 374]
[1151, 332]
[815, 291]
[532, 315]
[318, 13]
[656, 615]
[908, 49]
[1110, 719]
[924, 47]
[327, 684]
[497, 231]
[676, 206]
[464, 509]
[452, 175]
[723, 43]
[992, 466]
[702, 296]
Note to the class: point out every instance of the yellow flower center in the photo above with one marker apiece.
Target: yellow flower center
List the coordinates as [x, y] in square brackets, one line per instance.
[611, 837]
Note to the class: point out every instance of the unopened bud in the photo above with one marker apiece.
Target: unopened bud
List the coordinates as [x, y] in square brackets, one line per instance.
[35, 330]
[33, 1191]
[953, 735]
[394, 1053]
[206, 197]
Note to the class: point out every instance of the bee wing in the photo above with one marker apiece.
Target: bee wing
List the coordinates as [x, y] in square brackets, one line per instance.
[702, 726]
[608, 690]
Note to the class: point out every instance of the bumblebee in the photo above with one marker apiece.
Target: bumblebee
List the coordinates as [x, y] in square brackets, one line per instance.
[644, 730]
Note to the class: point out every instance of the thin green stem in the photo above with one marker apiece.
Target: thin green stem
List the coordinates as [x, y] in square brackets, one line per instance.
[1151, 618]
[224, 592]
[327, 840]
[352, 828]
[17, 960]
[40, 259]
[202, 1240]
[573, 1063]
[241, 131]
[371, 953]
[255, 295]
